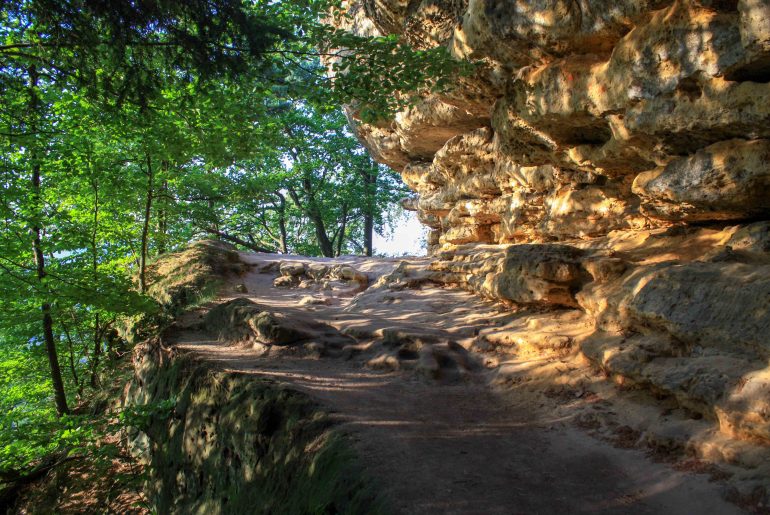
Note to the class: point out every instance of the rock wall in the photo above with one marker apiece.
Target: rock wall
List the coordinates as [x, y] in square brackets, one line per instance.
[233, 443]
[584, 117]
[611, 159]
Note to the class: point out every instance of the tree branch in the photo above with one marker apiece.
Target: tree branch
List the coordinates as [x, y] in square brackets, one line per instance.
[236, 240]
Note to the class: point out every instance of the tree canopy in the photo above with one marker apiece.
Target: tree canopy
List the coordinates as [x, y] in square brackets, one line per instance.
[132, 127]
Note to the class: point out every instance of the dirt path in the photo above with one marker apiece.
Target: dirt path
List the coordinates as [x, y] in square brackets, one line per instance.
[460, 447]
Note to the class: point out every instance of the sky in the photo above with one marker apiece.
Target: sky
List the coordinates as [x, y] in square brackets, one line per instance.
[408, 238]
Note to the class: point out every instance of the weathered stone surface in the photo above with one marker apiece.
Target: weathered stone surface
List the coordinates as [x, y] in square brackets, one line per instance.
[701, 111]
[523, 33]
[731, 389]
[755, 37]
[537, 274]
[350, 274]
[292, 269]
[458, 235]
[286, 281]
[752, 238]
[604, 269]
[547, 275]
[574, 93]
[317, 271]
[242, 320]
[573, 169]
[725, 181]
[709, 304]
[425, 128]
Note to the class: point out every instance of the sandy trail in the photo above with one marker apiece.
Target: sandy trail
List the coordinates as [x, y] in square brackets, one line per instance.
[463, 447]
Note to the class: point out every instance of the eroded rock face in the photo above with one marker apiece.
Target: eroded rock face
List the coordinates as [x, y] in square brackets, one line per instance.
[537, 275]
[241, 320]
[605, 172]
[572, 104]
[724, 181]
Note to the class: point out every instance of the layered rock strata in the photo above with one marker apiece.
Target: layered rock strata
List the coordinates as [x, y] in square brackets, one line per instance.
[610, 160]
[583, 117]
[685, 314]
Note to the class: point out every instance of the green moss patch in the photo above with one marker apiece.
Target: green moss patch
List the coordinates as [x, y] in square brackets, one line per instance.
[234, 443]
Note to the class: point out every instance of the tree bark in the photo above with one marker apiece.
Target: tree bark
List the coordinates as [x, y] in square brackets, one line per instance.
[163, 212]
[71, 349]
[327, 249]
[311, 210]
[314, 215]
[342, 228]
[370, 183]
[212, 208]
[368, 234]
[60, 395]
[146, 228]
[282, 223]
[97, 350]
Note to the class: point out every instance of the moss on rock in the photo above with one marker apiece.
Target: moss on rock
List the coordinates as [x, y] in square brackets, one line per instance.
[239, 444]
[180, 280]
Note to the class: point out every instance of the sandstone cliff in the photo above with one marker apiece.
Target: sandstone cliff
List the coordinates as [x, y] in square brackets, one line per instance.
[609, 161]
[584, 117]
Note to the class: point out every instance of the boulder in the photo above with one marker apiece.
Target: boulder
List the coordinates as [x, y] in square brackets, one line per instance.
[539, 274]
[276, 329]
[244, 320]
[241, 320]
[350, 274]
[286, 281]
[292, 269]
[317, 271]
[753, 238]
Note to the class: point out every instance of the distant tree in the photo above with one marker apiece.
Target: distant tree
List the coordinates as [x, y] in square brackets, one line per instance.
[129, 128]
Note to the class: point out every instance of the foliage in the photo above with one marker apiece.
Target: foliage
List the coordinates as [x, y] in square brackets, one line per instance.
[129, 129]
[141, 416]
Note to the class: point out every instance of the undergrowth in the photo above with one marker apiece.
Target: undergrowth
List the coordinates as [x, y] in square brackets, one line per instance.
[42, 455]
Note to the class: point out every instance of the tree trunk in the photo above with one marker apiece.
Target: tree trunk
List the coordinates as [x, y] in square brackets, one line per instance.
[146, 228]
[314, 213]
[315, 217]
[97, 350]
[368, 234]
[163, 213]
[343, 227]
[327, 249]
[370, 183]
[60, 395]
[71, 349]
[311, 210]
[214, 214]
[282, 223]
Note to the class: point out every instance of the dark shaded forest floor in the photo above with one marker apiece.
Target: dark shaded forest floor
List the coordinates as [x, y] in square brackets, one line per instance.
[84, 486]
